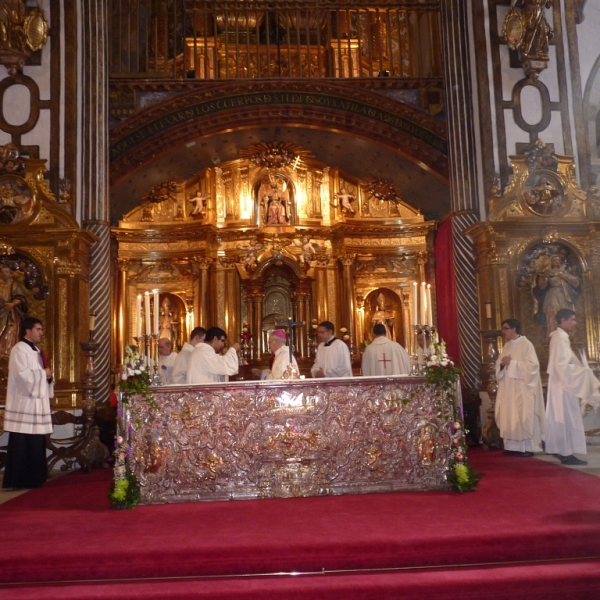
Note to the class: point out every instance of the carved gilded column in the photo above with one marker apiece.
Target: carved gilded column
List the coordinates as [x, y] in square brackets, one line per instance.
[360, 321]
[123, 330]
[321, 301]
[225, 303]
[302, 295]
[254, 300]
[347, 305]
[203, 310]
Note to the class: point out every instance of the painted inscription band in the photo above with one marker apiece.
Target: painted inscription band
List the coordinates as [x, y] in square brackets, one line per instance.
[209, 107]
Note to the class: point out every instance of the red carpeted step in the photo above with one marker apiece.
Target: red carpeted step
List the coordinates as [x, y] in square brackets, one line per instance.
[524, 509]
[575, 581]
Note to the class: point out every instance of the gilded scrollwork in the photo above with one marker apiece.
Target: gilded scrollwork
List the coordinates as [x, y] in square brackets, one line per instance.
[268, 440]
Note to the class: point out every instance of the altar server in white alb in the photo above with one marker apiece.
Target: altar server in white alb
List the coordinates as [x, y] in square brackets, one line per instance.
[180, 366]
[27, 416]
[520, 400]
[207, 364]
[166, 360]
[384, 356]
[333, 355]
[281, 357]
[571, 388]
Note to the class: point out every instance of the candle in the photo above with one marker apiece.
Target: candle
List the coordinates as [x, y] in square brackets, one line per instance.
[147, 312]
[156, 311]
[429, 308]
[92, 320]
[414, 302]
[423, 312]
[488, 309]
[138, 317]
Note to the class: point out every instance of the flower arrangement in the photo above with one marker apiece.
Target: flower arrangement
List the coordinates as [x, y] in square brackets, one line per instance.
[245, 335]
[125, 490]
[345, 336]
[135, 377]
[442, 373]
[313, 328]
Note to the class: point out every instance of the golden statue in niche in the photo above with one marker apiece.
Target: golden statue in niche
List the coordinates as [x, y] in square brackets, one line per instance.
[274, 200]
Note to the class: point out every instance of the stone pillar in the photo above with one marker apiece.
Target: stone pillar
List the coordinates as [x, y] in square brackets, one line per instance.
[94, 182]
[456, 35]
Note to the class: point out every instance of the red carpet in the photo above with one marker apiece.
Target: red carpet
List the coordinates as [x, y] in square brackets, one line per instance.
[524, 510]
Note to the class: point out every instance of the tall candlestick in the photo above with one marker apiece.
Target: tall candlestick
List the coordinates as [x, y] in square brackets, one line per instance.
[414, 302]
[156, 311]
[147, 313]
[423, 313]
[92, 320]
[138, 317]
[429, 309]
[488, 309]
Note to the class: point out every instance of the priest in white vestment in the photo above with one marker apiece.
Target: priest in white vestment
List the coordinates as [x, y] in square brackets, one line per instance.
[180, 367]
[207, 364]
[333, 355]
[520, 400]
[166, 360]
[281, 357]
[27, 416]
[384, 356]
[572, 386]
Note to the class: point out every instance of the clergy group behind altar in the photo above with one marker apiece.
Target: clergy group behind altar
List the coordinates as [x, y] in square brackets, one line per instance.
[203, 360]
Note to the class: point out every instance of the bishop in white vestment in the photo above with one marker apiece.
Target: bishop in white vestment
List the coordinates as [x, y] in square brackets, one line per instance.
[384, 356]
[520, 400]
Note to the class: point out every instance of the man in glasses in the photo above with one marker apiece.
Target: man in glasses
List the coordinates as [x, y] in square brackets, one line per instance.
[333, 355]
[520, 401]
[207, 364]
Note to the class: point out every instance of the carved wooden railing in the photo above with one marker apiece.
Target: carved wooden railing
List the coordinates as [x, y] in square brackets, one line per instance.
[232, 39]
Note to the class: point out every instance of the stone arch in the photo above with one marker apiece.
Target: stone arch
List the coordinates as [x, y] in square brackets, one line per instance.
[591, 112]
[223, 106]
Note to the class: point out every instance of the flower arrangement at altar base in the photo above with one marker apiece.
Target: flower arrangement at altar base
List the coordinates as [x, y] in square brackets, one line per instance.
[125, 490]
[443, 373]
[135, 376]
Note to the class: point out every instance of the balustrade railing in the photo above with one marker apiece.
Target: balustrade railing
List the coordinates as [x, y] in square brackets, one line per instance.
[223, 39]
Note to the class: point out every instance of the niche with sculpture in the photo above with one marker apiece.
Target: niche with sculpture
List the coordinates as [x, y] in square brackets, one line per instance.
[171, 319]
[22, 294]
[549, 278]
[275, 200]
[383, 307]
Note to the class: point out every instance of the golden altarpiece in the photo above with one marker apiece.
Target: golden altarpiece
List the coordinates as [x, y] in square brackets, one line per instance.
[44, 272]
[270, 236]
[538, 252]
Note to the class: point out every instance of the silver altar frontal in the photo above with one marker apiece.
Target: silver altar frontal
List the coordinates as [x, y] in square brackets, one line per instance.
[283, 439]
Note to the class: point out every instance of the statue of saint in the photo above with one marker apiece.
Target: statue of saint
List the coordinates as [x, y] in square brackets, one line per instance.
[383, 317]
[538, 32]
[13, 307]
[168, 320]
[544, 198]
[563, 289]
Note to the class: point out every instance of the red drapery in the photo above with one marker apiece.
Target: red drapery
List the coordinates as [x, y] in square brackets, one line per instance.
[445, 290]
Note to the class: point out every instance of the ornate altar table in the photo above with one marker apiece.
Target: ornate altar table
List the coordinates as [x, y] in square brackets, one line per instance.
[264, 439]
